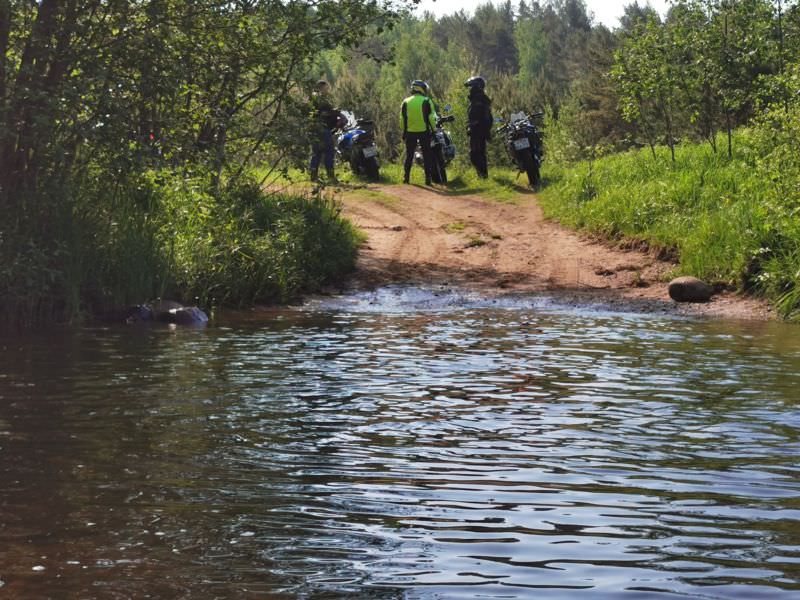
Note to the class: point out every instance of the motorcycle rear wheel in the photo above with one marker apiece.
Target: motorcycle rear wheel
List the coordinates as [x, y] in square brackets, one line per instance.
[440, 168]
[531, 168]
[372, 169]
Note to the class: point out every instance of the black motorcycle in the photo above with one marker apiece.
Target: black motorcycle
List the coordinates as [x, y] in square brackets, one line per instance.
[355, 144]
[443, 150]
[524, 144]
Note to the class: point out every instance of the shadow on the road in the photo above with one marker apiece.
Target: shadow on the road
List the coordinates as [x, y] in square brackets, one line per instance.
[492, 189]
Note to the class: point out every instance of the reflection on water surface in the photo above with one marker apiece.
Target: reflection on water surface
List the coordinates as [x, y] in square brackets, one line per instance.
[461, 451]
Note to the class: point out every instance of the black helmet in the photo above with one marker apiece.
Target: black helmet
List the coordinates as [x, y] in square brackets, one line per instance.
[419, 87]
[475, 82]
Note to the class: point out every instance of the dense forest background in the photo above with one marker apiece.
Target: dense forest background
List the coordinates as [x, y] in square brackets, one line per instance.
[131, 133]
[706, 66]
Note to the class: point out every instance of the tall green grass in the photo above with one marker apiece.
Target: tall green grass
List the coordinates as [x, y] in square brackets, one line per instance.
[723, 219]
[162, 234]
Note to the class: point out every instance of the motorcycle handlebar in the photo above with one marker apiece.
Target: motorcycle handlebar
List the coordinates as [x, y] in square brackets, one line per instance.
[447, 119]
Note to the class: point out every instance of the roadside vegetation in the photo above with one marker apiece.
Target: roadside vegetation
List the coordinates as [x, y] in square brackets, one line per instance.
[730, 221]
[164, 235]
[128, 136]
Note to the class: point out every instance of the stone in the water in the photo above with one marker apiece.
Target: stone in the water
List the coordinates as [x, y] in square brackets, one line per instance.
[166, 311]
[186, 315]
[690, 289]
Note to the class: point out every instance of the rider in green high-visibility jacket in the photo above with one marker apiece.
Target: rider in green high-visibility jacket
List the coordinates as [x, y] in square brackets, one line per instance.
[419, 120]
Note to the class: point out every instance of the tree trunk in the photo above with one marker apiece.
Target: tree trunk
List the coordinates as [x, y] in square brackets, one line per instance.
[24, 105]
[728, 124]
[5, 30]
[227, 111]
[781, 61]
[730, 132]
[665, 111]
[709, 114]
[712, 141]
[645, 126]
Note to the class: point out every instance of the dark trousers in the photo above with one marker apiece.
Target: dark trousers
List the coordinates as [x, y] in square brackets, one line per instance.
[477, 154]
[424, 139]
[322, 150]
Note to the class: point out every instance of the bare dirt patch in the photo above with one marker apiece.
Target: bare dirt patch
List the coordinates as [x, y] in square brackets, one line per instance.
[422, 235]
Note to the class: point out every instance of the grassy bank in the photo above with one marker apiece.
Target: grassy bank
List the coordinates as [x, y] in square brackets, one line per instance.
[728, 221]
[161, 234]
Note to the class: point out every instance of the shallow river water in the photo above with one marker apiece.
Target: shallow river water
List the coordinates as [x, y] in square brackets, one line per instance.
[403, 445]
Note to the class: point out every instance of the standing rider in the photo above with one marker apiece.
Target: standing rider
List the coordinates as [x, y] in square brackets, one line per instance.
[325, 121]
[479, 129]
[419, 121]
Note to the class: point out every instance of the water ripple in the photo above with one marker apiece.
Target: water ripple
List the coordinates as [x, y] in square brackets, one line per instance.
[471, 451]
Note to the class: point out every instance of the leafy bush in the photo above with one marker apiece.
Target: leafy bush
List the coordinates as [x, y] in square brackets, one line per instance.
[160, 234]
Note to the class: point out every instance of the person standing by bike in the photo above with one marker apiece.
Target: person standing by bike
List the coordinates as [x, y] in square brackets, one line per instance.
[325, 121]
[419, 120]
[479, 128]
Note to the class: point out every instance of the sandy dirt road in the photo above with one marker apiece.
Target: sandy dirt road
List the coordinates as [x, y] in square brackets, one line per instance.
[421, 235]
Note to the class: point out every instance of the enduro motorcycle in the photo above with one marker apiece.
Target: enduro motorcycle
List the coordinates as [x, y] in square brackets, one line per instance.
[443, 150]
[355, 144]
[524, 144]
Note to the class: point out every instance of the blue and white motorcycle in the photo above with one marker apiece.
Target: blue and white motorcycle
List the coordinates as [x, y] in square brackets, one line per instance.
[355, 144]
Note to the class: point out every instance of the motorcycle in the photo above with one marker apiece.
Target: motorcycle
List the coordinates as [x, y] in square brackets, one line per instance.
[524, 144]
[355, 144]
[443, 150]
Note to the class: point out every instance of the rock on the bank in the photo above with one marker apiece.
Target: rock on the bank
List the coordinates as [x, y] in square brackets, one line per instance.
[690, 289]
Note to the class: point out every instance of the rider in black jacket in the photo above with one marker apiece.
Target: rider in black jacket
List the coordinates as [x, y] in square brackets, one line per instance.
[325, 119]
[479, 116]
